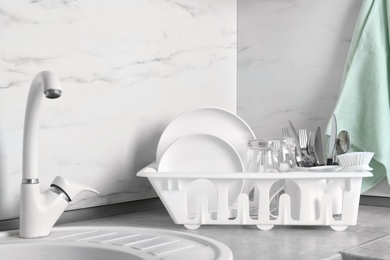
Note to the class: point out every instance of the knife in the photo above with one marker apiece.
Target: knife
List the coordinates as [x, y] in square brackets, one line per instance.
[318, 147]
[332, 140]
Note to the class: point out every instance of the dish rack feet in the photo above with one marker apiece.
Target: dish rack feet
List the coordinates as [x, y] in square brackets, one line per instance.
[339, 228]
[191, 227]
[265, 227]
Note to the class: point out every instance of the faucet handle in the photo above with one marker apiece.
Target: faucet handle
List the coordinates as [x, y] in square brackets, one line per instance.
[71, 188]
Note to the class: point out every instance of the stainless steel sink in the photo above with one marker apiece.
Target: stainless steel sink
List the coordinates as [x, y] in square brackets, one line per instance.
[112, 243]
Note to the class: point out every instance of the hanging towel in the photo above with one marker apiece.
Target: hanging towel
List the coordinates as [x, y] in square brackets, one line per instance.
[363, 105]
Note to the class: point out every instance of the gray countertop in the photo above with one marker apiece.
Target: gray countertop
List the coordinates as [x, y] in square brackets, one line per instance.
[369, 239]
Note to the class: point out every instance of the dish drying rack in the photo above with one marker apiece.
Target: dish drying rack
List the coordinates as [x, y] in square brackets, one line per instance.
[254, 209]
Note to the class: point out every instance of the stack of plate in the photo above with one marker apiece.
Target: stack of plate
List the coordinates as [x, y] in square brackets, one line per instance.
[205, 140]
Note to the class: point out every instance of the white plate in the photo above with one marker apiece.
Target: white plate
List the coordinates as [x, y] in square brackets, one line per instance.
[203, 153]
[208, 120]
[200, 153]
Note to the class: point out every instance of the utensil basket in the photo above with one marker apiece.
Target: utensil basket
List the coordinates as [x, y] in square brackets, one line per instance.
[309, 207]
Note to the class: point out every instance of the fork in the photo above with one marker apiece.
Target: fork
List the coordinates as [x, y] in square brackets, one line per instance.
[286, 132]
[299, 160]
[302, 139]
[304, 143]
[295, 160]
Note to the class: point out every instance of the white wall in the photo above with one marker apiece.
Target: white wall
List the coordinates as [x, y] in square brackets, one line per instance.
[127, 69]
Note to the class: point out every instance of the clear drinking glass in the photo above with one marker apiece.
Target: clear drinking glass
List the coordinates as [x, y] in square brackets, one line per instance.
[267, 156]
[287, 159]
[271, 155]
[261, 157]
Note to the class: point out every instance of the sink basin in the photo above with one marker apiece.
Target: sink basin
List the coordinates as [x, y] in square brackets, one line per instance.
[62, 252]
[112, 243]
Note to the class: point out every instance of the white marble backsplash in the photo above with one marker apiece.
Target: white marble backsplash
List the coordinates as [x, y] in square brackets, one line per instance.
[291, 57]
[127, 68]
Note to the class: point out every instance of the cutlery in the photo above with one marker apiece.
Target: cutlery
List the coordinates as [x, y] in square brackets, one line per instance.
[302, 139]
[343, 142]
[304, 143]
[308, 156]
[294, 135]
[302, 159]
[332, 141]
[286, 133]
[311, 149]
[318, 147]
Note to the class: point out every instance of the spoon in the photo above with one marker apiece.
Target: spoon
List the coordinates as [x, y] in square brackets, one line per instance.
[343, 142]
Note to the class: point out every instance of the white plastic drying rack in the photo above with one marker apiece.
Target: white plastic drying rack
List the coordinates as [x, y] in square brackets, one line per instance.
[172, 190]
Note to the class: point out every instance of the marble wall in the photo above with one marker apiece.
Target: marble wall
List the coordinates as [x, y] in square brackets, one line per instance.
[127, 68]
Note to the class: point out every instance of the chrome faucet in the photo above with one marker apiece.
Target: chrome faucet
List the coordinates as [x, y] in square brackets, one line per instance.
[39, 211]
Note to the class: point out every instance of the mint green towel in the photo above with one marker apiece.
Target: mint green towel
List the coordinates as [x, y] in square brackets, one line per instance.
[363, 106]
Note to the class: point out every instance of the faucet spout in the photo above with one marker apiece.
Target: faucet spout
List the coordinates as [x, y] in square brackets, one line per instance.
[47, 83]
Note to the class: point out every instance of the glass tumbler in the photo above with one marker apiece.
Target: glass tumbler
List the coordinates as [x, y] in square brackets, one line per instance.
[286, 158]
[267, 156]
[261, 156]
[271, 155]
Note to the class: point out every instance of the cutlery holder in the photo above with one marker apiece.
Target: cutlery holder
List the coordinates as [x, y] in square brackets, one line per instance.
[309, 198]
